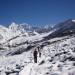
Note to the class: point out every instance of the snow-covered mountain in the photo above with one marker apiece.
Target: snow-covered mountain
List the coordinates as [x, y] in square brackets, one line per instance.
[17, 43]
[11, 32]
[64, 28]
[18, 35]
[15, 30]
[27, 27]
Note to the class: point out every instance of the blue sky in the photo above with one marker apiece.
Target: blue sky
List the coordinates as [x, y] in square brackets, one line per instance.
[36, 11]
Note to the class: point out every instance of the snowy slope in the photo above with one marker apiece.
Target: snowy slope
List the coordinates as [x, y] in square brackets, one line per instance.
[58, 58]
[23, 43]
[64, 28]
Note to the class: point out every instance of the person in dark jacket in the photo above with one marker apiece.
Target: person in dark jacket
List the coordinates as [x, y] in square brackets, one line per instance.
[35, 56]
[39, 50]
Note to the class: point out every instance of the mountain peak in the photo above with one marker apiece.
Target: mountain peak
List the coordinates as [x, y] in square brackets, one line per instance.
[13, 23]
[73, 20]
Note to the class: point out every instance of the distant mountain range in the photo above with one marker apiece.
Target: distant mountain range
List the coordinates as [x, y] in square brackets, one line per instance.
[27, 27]
[61, 29]
[15, 30]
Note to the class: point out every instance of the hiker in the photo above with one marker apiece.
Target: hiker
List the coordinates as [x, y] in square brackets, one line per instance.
[35, 56]
[39, 50]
